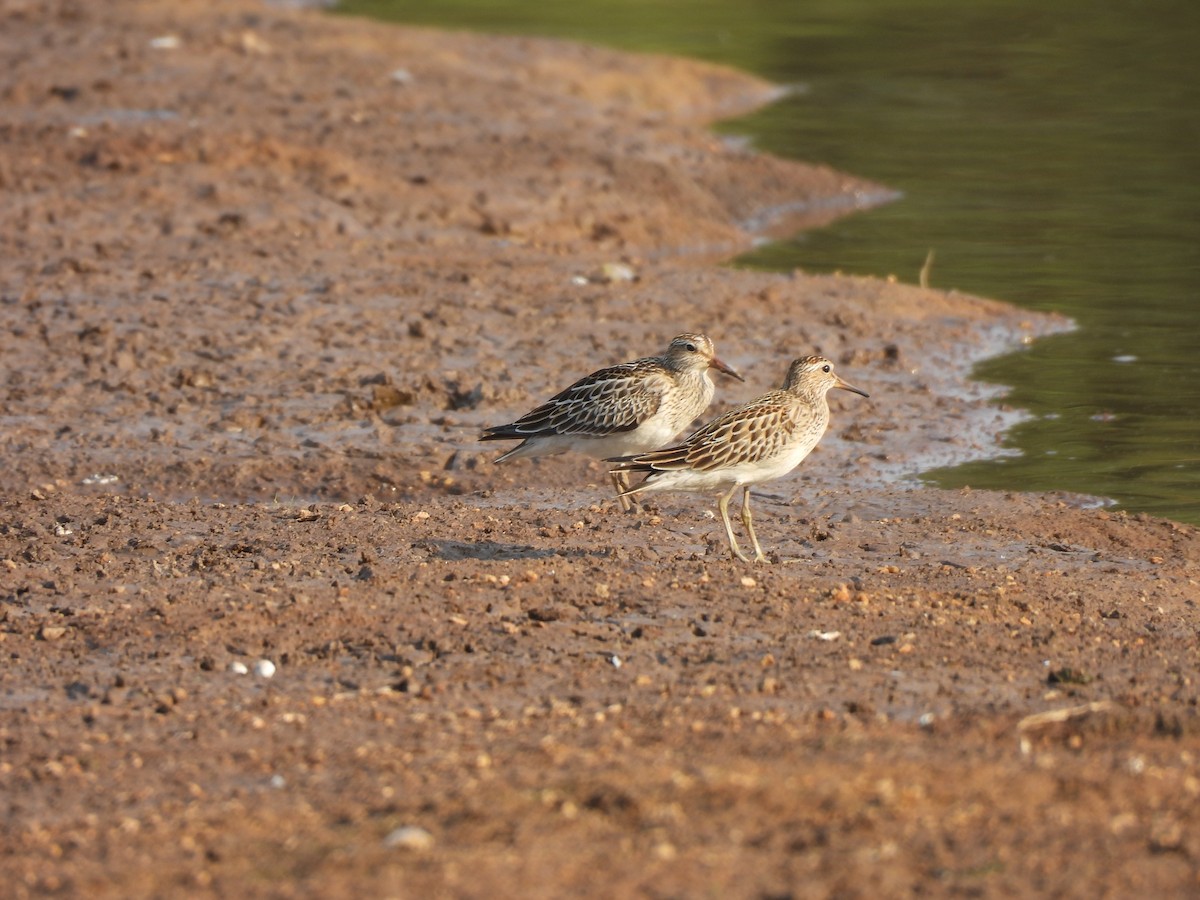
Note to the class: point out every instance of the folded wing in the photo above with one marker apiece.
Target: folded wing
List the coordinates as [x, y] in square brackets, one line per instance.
[610, 401]
[757, 431]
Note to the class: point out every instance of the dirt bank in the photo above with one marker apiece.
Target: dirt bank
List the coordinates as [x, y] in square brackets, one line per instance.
[263, 277]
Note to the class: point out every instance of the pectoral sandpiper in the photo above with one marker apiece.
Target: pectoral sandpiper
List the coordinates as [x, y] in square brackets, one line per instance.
[622, 409]
[763, 440]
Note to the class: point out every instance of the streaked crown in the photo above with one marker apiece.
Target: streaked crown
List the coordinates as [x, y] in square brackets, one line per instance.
[693, 354]
[696, 347]
[813, 376]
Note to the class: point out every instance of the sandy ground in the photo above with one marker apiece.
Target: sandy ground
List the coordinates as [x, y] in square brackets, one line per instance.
[263, 277]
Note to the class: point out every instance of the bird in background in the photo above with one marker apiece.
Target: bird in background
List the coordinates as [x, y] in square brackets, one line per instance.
[763, 440]
[620, 410]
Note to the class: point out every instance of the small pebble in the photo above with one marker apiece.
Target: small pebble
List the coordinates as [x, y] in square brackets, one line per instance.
[252, 43]
[409, 837]
[238, 668]
[264, 668]
[612, 272]
[665, 851]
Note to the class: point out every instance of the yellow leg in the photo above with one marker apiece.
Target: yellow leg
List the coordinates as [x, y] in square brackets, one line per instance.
[620, 481]
[759, 556]
[723, 506]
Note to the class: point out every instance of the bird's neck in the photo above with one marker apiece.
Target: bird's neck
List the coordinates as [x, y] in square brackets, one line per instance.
[808, 396]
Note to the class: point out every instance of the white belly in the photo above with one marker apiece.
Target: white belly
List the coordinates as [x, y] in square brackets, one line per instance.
[653, 434]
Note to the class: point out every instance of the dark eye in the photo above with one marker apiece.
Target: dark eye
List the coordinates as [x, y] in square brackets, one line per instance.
[691, 348]
[827, 368]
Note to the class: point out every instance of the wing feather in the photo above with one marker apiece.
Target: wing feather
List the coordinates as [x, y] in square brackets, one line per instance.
[612, 400]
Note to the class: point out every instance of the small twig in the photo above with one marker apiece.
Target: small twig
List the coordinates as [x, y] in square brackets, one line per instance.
[925, 268]
[1055, 716]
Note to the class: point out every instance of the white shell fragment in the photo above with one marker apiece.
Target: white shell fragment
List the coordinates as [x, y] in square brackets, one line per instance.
[98, 478]
[264, 668]
[825, 635]
[409, 837]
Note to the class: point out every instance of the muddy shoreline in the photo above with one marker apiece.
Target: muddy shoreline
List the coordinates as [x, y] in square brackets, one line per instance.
[264, 276]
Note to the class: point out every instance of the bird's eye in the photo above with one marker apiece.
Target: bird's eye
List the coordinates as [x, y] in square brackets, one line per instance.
[690, 348]
[827, 368]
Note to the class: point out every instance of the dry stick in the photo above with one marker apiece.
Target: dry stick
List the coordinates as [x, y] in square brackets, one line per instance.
[925, 268]
[1054, 716]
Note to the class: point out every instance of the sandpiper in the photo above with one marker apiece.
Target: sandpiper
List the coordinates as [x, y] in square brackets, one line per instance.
[761, 441]
[620, 410]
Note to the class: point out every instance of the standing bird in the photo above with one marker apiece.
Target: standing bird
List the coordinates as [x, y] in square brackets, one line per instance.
[761, 441]
[628, 408]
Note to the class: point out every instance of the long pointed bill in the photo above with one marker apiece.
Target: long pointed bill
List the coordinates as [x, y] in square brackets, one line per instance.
[849, 387]
[720, 366]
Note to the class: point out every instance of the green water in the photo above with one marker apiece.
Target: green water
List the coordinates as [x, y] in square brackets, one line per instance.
[1049, 154]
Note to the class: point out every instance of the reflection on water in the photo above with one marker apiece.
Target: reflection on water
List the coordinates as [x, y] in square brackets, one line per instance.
[1047, 155]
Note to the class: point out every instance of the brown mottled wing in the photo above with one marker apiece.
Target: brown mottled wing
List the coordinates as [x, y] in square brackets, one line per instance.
[612, 400]
[758, 430]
